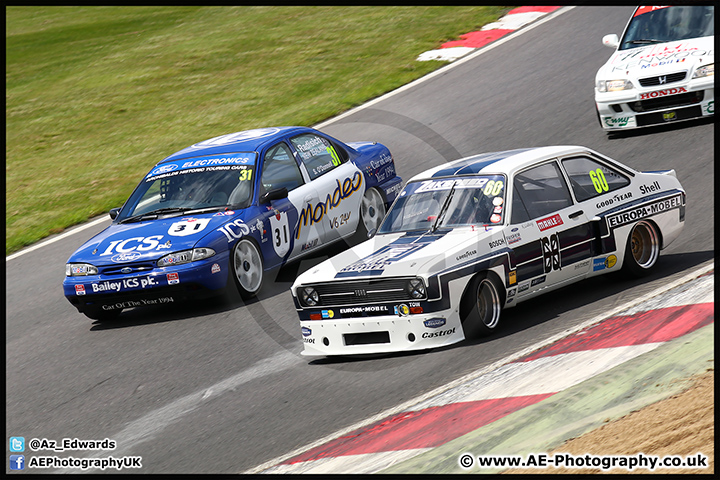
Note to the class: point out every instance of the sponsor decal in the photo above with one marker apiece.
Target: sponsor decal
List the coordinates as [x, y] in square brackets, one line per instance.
[497, 210]
[125, 257]
[141, 244]
[383, 257]
[328, 313]
[468, 253]
[654, 187]
[434, 322]
[138, 303]
[709, 109]
[497, 201]
[617, 122]
[188, 226]
[514, 238]
[524, 287]
[669, 116]
[215, 268]
[234, 230]
[79, 290]
[642, 10]
[598, 264]
[393, 189]
[311, 244]
[615, 198]
[663, 93]
[225, 213]
[402, 310]
[173, 278]
[537, 281]
[495, 218]
[582, 264]
[435, 185]
[441, 333]
[212, 161]
[643, 211]
[124, 284]
[306, 332]
[164, 169]
[511, 292]
[370, 308]
[610, 261]
[549, 222]
[312, 214]
[236, 137]
[512, 277]
[308, 340]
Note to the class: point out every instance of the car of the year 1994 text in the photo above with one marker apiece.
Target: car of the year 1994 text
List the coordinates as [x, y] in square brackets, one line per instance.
[466, 239]
[224, 211]
[663, 69]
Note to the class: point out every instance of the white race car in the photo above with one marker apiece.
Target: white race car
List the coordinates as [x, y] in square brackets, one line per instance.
[468, 238]
[663, 69]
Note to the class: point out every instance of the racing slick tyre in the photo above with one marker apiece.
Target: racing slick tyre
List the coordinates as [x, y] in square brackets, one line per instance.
[481, 305]
[246, 265]
[100, 314]
[372, 212]
[642, 249]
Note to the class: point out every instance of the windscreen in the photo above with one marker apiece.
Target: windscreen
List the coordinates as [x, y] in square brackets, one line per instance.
[455, 202]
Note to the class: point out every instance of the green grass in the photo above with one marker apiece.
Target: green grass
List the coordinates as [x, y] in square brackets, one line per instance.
[97, 95]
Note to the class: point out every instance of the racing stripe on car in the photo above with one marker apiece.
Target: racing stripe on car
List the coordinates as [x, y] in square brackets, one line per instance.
[474, 165]
[511, 387]
[513, 20]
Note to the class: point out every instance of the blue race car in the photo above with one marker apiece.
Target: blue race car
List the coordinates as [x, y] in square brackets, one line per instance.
[224, 211]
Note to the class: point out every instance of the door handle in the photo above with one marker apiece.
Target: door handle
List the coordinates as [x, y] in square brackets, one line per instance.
[575, 214]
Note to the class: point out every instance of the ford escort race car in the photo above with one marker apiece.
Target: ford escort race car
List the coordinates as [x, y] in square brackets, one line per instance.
[222, 212]
[663, 69]
[466, 239]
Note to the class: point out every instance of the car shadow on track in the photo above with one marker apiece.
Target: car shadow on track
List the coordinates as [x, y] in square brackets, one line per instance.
[546, 307]
[277, 282]
[659, 129]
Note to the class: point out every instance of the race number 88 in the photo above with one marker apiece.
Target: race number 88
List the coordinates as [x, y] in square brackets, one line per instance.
[599, 182]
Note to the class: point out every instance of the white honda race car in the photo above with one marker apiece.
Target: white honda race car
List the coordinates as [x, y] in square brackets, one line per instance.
[468, 238]
[663, 69]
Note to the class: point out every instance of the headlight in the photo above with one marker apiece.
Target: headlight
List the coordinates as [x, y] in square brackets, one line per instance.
[309, 297]
[186, 256]
[614, 85]
[416, 288]
[706, 71]
[80, 269]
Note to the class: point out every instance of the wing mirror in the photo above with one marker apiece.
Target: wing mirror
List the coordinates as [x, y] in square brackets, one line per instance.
[275, 194]
[611, 40]
[114, 212]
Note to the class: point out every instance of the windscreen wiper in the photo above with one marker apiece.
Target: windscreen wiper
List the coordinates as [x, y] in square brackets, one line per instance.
[444, 207]
[153, 214]
[644, 41]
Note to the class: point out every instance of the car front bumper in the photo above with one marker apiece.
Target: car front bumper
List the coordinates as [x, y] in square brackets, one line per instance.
[646, 107]
[380, 334]
[159, 286]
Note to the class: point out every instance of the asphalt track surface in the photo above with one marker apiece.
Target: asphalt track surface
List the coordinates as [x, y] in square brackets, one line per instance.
[221, 387]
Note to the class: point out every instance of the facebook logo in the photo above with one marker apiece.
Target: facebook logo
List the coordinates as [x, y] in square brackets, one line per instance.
[17, 444]
[17, 462]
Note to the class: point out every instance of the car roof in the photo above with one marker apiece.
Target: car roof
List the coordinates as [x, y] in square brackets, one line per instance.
[508, 161]
[246, 141]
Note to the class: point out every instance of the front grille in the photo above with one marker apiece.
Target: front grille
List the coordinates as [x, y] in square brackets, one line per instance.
[657, 118]
[368, 338]
[363, 292]
[669, 101]
[663, 79]
[135, 268]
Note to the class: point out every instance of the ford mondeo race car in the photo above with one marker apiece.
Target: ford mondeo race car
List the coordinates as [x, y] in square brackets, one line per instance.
[468, 238]
[224, 211]
[663, 69]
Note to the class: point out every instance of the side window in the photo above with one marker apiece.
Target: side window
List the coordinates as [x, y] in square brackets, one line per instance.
[590, 178]
[318, 154]
[279, 170]
[542, 190]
